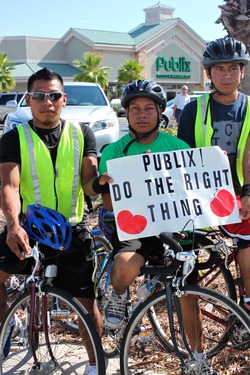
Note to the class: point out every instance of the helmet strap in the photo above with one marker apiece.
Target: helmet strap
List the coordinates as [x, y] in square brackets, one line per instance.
[219, 92]
[144, 135]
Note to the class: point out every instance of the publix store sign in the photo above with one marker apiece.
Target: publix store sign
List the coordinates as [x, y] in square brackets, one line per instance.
[173, 68]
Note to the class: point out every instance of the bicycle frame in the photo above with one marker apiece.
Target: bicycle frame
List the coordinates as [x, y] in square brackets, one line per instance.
[227, 259]
[38, 318]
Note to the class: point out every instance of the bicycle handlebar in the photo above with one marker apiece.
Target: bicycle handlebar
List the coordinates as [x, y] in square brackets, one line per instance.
[33, 254]
[165, 270]
[173, 239]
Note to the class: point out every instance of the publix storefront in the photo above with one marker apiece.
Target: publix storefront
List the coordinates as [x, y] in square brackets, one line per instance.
[168, 49]
[173, 71]
[180, 68]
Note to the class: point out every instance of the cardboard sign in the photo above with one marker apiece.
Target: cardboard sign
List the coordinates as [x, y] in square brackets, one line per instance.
[172, 191]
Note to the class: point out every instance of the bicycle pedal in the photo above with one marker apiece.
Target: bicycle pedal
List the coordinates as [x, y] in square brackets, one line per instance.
[60, 314]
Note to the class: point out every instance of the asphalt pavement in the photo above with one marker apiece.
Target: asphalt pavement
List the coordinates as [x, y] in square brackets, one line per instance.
[123, 123]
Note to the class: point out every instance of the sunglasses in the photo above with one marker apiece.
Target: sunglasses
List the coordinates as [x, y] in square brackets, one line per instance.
[43, 95]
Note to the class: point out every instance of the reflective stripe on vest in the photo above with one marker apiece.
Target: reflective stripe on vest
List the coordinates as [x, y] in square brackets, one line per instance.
[42, 183]
[204, 131]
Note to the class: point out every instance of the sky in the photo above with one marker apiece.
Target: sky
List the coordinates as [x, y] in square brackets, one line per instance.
[54, 18]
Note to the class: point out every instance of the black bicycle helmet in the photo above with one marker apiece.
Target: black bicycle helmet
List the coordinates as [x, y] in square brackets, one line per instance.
[139, 88]
[225, 50]
[48, 227]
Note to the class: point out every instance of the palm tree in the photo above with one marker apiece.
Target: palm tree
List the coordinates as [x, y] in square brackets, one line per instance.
[129, 71]
[7, 83]
[92, 70]
[235, 19]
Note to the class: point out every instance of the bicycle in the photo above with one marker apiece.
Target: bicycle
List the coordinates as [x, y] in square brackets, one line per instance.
[225, 325]
[16, 283]
[41, 344]
[103, 260]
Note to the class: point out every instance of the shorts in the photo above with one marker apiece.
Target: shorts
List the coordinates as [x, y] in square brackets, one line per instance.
[241, 230]
[74, 272]
[151, 248]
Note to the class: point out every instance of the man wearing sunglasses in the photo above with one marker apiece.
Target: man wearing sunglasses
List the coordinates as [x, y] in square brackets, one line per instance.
[51, 162]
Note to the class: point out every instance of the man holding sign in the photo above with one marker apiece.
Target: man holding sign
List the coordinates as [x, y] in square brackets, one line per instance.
[144, 102]
[226, 118]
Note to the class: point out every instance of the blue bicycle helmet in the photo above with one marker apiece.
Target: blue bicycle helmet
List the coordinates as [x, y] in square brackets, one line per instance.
[106, 230]
[48, 227]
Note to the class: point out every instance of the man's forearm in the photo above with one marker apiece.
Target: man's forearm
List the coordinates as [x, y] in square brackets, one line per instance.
[11, 205]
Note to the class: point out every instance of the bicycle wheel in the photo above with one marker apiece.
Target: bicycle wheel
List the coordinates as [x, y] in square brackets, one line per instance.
[226, 329]
[217, 277]
[66, 352]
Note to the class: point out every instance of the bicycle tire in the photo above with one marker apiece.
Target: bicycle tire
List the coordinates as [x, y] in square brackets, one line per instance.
[69, 352]
[218, 277]
[225, 327]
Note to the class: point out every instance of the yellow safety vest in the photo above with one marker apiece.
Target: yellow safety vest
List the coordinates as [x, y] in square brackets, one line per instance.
[204, 131]
[58, 187]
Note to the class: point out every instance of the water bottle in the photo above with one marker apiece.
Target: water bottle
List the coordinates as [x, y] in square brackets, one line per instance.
[146, 288]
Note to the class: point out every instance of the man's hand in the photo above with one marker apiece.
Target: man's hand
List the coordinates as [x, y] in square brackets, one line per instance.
[245, 208]
[101, 184]
[18, 241]
[105, 178]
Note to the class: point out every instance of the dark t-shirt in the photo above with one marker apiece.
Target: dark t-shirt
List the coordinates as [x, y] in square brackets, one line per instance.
[227, 121]
[10, 146]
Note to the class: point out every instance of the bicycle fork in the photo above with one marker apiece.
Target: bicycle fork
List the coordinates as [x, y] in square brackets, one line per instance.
[169, 299]
[39, 322]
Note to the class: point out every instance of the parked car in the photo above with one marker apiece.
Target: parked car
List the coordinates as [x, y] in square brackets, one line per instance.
[167, 115]
[6, 97]
[199, 92]
[121, 112]
[116, 104]
[86, 104]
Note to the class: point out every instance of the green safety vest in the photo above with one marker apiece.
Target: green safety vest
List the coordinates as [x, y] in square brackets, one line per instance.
[59, 188]
[204, 131]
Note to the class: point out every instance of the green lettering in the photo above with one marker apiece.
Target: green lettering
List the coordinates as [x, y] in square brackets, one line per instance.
[160, 62]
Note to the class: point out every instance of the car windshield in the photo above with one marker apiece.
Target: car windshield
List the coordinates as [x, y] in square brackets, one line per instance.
[84, 96]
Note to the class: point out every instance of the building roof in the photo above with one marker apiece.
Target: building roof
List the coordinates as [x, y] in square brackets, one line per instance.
[137, 35]
[23, 70]
[142, 32]
[105, 37]
[160, 5]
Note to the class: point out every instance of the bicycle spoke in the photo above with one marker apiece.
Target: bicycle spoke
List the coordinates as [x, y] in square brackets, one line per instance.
[225, 330]
[67, 352]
